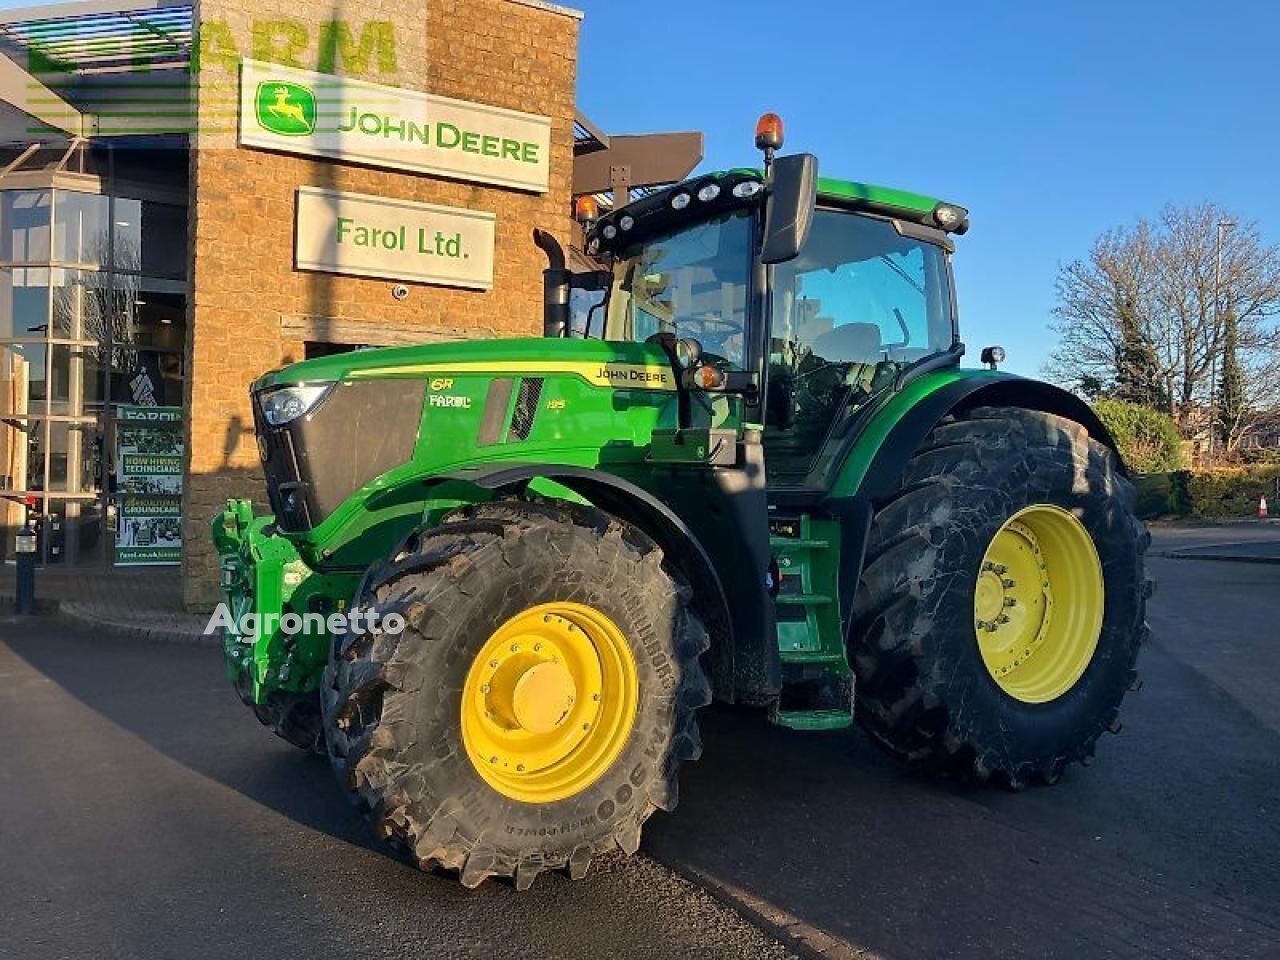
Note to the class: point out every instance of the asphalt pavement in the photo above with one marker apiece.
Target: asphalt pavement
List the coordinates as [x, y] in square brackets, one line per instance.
[145, 814]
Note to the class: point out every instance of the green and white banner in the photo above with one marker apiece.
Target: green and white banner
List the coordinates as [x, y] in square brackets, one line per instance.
[322, 115]
[148, 474]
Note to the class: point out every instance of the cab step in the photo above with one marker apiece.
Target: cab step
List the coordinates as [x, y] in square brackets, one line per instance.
[812, 719]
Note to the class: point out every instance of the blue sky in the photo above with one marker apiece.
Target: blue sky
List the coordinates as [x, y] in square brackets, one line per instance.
[1050, 121]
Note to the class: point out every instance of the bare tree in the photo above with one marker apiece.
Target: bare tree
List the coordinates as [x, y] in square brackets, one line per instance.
[1137, 318]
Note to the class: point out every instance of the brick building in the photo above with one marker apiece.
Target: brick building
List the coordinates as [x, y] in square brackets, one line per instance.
[194, 194]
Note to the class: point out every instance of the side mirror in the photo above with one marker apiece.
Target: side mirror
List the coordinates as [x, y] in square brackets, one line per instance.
[793, 194]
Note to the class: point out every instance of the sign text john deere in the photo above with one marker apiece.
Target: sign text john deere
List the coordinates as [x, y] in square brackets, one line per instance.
[318, 114]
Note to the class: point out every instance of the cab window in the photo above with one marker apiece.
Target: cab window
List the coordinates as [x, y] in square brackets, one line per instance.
[860, 303]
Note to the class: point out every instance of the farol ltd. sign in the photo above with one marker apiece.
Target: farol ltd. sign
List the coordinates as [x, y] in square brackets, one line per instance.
[367, 236]
[319, 114]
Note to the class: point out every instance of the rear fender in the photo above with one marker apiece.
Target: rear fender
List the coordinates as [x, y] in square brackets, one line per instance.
[979, 389]
[863, 481]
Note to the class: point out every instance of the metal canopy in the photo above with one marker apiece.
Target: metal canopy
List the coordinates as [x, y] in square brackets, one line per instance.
[85, 38]
[587, 137]
[627, 166]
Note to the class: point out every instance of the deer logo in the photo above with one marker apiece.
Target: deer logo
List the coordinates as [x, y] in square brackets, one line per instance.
[288, 109]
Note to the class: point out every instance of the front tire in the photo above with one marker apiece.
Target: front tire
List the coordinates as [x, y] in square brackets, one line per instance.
[962, 659]
[534, 711]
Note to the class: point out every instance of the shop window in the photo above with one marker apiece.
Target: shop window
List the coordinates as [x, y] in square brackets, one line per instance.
[24, 302]
[151, 238]
[109, 275]
[18, 449]
[24, 447]
[157, 317]
[75, 380]
[73, 532]
[81, 228]
[29, 364]
[24, 226]
[74, 456]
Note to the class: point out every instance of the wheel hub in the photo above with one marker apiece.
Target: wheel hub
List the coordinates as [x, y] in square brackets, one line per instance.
[541, 697]
[549, 702]
[1034, 650]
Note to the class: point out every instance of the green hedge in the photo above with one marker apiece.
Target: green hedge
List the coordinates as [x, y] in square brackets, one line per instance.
[1148, 439]
[1224, 492]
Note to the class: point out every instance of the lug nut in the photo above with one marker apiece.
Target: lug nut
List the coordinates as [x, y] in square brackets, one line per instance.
[1002, 619]
[1010, 602]
[1000, 568]
[1008, 583]
[519, 768]
[484, 688]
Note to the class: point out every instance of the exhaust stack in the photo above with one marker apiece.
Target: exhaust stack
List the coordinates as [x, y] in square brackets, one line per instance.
[555, 286]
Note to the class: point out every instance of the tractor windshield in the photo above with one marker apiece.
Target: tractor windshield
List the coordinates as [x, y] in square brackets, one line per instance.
[860, 303]
[692, 284]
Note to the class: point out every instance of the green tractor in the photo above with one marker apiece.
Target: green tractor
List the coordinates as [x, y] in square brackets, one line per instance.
[500, 578]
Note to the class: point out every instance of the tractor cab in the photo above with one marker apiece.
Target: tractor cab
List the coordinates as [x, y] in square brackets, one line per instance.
[792, 309]
[806, 298]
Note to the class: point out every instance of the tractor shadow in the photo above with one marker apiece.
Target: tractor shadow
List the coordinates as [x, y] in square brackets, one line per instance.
[823, 829]
[176, 700]
[829, 832]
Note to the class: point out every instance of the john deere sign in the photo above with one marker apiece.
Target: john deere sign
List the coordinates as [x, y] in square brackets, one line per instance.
[287, 109]
[394, 239]
[319, 114]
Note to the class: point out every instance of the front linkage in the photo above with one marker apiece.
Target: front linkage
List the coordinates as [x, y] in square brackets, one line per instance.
[274, 643]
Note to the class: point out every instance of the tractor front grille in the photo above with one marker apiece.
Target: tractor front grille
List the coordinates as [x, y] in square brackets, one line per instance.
[360, 431]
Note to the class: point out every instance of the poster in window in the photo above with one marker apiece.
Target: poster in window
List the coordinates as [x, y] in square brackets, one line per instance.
[148, 484]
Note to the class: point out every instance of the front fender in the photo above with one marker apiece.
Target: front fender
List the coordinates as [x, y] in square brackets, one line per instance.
[632, 504]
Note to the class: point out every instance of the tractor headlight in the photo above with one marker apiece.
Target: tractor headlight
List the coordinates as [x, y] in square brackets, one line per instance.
[709, 192]
[680, 201]
[950, 217]
[286, 404]
[747, 188]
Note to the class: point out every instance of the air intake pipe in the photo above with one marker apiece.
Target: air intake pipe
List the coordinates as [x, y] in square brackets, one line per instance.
[555, 286]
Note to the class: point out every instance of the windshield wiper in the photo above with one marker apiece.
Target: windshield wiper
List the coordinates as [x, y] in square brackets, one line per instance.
[897, 268]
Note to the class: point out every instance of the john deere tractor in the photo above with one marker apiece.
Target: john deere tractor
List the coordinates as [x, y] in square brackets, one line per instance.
[757, 474]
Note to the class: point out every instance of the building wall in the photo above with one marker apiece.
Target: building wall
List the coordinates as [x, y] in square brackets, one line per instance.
[250, 311]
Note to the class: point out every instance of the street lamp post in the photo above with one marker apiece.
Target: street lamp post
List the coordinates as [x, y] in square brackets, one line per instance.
[1223, 226]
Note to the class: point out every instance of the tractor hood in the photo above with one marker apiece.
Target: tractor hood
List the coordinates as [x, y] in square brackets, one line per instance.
[595, 360]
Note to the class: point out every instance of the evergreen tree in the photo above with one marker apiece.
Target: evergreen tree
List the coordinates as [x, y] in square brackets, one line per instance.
[1231, 404]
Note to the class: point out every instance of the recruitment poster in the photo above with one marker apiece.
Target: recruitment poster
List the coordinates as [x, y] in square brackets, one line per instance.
[148, 467]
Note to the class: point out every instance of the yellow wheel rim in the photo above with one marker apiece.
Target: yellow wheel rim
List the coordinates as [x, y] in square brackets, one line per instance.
[549, 702]
[1038, 603]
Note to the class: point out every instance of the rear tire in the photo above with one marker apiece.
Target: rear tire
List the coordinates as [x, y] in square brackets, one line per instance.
[923, 688]
[394, 705]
